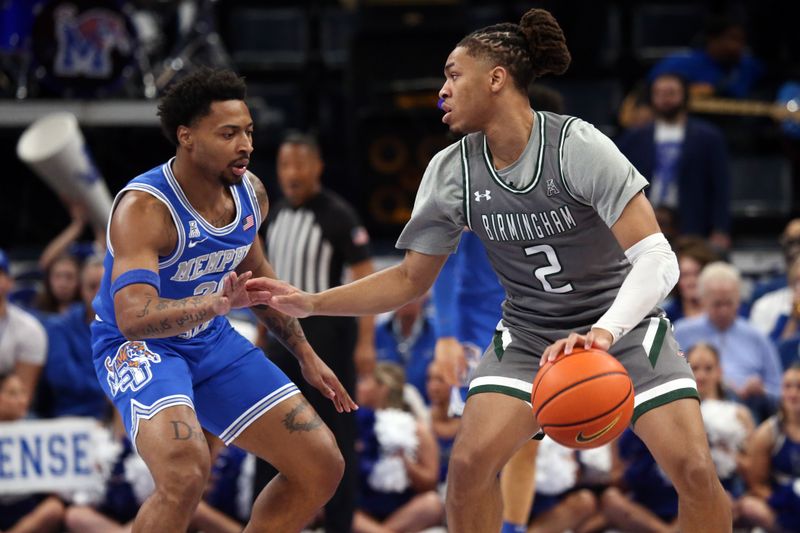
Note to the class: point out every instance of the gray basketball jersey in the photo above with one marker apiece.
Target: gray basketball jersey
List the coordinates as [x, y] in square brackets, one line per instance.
[545, 220]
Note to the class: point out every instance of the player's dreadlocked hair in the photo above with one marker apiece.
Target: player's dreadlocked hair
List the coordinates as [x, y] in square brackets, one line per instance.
[191, 98]
[530, 49]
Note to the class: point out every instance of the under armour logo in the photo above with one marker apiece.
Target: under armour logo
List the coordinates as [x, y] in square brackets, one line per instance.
[551, 187]
[485, 196]
[194, 231]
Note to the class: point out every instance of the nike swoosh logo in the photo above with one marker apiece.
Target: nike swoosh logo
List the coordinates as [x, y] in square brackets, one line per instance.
[594, 436]
[192, 243]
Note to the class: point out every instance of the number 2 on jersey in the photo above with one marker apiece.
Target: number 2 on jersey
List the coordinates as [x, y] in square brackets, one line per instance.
[553, 266]
[204, 288]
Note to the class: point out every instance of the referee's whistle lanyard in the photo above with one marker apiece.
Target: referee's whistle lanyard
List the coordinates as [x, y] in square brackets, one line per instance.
[405, 344]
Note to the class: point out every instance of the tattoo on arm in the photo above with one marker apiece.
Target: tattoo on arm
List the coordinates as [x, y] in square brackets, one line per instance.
[287, 329]
[295, 420]
[145, 310]
[191, 315]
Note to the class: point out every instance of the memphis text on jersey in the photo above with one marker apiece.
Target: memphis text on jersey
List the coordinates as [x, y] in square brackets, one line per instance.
[527, 226]
[211, 263]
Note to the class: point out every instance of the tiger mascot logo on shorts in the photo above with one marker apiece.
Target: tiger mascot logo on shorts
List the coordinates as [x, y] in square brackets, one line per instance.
[130, 367]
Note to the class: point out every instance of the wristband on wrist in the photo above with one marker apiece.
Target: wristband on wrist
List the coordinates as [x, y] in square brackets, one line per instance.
[131, 277]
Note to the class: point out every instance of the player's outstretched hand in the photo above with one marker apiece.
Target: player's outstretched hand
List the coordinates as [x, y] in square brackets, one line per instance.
[283, 297]
[595, 338]
[235, 294]
[318, 374]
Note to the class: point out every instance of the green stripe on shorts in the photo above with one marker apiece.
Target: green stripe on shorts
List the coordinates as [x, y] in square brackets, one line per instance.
[654, 339]
[500, 389]
[497, 343]
[674, 390]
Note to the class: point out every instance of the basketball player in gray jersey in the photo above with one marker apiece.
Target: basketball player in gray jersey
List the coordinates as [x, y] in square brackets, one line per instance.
[576, 245]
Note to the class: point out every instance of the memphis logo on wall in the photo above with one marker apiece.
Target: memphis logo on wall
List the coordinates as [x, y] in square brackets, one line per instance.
[86, 40]
[84, 47]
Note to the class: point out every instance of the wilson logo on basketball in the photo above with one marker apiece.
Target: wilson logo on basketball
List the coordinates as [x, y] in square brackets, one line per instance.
[594, 436]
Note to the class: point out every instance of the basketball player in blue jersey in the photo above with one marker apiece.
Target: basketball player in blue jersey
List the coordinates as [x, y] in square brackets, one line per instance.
[182, 242]
[575, 244]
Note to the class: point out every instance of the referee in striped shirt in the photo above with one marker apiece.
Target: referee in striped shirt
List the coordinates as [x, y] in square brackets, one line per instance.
[312, 234]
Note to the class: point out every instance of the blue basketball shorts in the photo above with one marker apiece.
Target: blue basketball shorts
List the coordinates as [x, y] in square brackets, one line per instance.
[219, 374]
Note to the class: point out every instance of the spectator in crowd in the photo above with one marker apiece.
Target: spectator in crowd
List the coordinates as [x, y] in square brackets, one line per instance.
[750, 364]
[312, 234]
[560, 503]
[443, 425]
[60, 287]
[773, 472]
[408, 339]
[773, 308]
[68, 386]
[686, 161]
[68, 241]
[790, 246]
[25, 513]
[398, 462]
[23, 341]
[693, 255]
[728, 423]
[61, 260]
[722, 67]
[789, 351]
[647, 500]
[777, 313]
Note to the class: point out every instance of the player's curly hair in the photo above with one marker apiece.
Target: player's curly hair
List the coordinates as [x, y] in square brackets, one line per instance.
[191, 98]
[534, 47]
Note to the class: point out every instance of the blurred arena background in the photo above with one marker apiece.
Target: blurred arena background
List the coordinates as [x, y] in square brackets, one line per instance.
[363, 76]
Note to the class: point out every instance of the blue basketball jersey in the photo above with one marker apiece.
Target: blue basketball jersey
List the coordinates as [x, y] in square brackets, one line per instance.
[785, 462]
[203, 253]
[785, 477]
[212, 368]
[468, 296]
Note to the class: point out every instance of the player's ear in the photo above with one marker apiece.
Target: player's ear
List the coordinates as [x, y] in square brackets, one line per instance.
[184, 135]
[498, 77]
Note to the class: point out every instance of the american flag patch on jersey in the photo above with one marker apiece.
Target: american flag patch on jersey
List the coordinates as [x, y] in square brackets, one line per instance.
[249, 222]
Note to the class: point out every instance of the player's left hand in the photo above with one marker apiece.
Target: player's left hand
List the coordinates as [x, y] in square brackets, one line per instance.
[595, 338]
[318, 374]
[235, 294]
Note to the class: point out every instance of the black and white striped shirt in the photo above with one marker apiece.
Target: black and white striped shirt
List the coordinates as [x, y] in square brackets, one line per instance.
[310, 245]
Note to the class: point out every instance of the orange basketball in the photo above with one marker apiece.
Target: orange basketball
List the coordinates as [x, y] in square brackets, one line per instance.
[584, 399]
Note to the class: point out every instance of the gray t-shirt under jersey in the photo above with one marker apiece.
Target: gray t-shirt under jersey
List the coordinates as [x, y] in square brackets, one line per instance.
[545, 220]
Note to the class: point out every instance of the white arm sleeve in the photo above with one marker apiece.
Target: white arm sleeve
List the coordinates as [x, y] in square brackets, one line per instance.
[653, 274]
